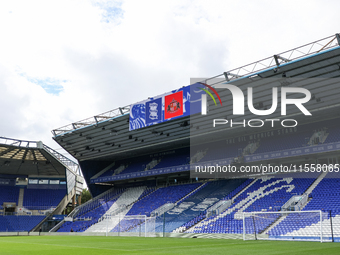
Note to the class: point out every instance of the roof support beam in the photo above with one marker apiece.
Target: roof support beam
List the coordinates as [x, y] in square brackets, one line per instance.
[277, 57]
[338, 38]
[96, 120]
[226, 75]
[121, 111]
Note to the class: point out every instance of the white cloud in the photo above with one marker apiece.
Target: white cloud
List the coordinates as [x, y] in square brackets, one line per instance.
[107, 54]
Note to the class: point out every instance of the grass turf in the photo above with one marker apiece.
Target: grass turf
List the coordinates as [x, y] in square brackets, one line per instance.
[83, 245]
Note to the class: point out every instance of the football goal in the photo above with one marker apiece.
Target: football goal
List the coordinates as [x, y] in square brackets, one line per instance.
[132, 225]
[287, 225]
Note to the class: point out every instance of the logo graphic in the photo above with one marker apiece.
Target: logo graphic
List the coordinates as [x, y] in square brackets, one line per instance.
[213, 90]
[238, 100]
[137, 116]
[173, 104]
[153, 111]
[296, 96]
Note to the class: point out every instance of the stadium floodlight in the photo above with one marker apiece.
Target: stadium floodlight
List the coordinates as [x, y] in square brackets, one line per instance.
[287, 225]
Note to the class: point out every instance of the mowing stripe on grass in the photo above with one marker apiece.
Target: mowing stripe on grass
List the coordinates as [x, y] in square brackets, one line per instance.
[115, 249]
[91, 245]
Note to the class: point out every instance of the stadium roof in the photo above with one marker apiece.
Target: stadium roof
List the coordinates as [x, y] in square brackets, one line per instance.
[19, 157]
[107, 135]
[246, 71]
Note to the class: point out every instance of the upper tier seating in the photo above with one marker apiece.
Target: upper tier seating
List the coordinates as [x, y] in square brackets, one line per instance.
[9, 194]
[42, 198]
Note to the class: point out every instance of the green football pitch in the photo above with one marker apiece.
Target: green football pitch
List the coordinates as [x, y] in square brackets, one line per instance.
[83, 245]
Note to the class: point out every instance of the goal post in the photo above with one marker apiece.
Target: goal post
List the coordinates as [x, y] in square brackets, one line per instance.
[132, 225]
[287, 225]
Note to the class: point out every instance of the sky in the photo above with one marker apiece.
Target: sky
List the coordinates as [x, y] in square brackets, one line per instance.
[65, 61]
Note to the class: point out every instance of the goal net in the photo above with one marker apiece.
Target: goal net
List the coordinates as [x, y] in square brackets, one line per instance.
[133, 225]
[287, 225]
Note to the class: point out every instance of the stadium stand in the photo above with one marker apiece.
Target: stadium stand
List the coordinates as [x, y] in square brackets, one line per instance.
[173, 160]
[155, 200]
[35, 199]
[36, 183]
[301, 137]
[121, 206]
[16, 223]
[35, 203]
[197, 203]
[324, 197]
[89, 213]
[9, 194]
[269, 195]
